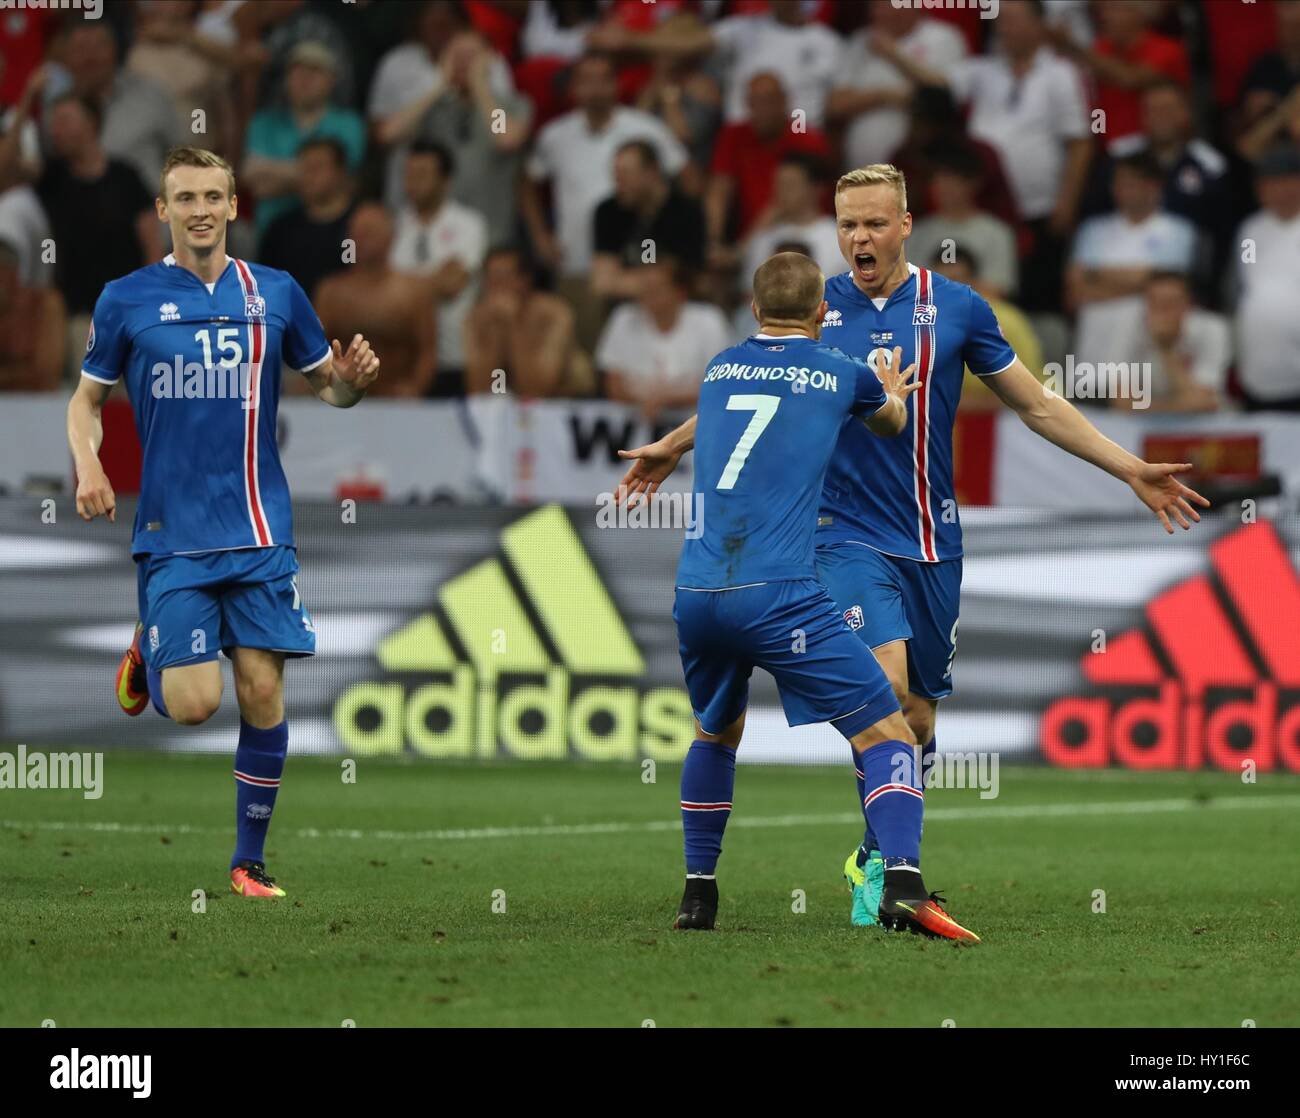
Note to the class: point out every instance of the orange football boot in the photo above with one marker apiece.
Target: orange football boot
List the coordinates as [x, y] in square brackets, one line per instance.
[249, 879]
[133, 677]
[923, 914]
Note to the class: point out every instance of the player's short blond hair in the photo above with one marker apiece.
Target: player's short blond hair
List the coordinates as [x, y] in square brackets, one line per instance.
[876, 174]
[788, 287]
[193, 157]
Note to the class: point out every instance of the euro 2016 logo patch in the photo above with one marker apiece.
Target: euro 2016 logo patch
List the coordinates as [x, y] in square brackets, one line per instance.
[853, 617]
[153, 638]
[254, 306]
[924, 314]
[90, 338]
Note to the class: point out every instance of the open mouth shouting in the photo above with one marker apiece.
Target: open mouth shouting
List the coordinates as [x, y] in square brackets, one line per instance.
[864, 263]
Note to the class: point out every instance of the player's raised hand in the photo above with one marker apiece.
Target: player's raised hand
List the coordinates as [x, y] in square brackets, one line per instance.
[651, 464]
[1165, 495]
[359, 366]
[95, 497]
[898, 383]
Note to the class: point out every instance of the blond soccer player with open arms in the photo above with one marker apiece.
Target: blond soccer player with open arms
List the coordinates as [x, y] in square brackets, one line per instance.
[199, 340]
[889, 539]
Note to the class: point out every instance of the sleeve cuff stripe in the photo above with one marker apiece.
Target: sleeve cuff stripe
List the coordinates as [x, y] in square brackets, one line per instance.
[994, 372]
[307, 368]
[101, 380]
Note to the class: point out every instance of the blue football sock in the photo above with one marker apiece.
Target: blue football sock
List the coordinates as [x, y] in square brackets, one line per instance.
[259, 761]
[868, 838]
[893, 802]
[708, 778]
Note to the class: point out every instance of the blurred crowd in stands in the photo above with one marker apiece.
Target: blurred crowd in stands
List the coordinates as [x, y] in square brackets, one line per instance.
[569, 197]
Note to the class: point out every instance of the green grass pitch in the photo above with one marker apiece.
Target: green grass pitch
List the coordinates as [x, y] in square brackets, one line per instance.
[393, 889]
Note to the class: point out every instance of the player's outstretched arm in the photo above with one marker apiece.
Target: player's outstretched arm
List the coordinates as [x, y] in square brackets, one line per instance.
[652, 463]
[1060, 422]
[343, 378]
[95, 495]
[898, 384]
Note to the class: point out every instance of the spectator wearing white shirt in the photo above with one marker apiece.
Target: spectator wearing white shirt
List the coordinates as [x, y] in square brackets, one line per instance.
[795, 216]
[1187, 349]
[871, 94]
[1030, 105]
[23, 224]
[654, 351]
[575, 153]
[955, 183]
[1199, 184]
[1268, 279]
[556, 30]
[440, 238]
[804, 54]
[1115, 255]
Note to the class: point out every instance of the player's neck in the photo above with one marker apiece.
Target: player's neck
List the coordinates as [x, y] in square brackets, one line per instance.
[207, 266]
[788, 329]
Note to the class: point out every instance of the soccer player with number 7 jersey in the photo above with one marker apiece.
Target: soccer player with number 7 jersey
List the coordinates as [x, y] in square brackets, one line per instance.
[889, 537]
[770, 410]
[199, 340]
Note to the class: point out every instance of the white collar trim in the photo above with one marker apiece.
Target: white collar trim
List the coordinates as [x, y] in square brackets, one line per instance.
[170, 261]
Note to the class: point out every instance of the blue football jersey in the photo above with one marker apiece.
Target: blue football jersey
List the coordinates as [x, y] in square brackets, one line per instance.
[897, 495]
[769, 412]
[202, 370]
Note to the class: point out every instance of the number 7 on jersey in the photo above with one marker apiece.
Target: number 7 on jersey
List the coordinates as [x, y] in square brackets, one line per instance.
[763, 407]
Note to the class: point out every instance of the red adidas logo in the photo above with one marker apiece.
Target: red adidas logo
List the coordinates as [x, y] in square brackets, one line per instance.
[1213, 678]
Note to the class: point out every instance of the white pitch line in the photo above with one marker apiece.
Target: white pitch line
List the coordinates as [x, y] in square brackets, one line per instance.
[938, 815]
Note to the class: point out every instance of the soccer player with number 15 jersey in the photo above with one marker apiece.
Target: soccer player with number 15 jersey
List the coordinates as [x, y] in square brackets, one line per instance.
[199, 340]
